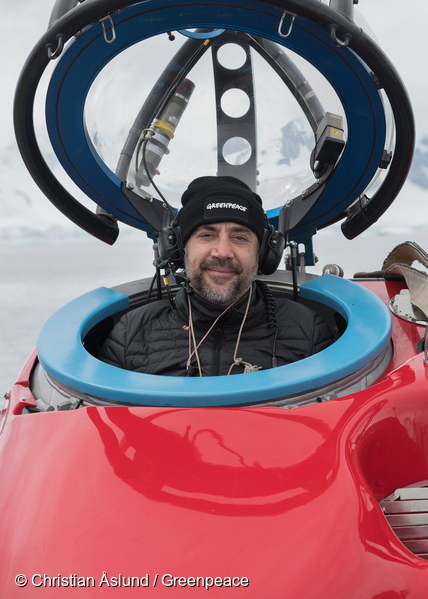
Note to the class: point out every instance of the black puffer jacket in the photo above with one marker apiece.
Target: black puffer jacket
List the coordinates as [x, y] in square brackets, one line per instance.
[155, 339]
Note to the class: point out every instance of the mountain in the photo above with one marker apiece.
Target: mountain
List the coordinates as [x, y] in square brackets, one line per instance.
[26, 215]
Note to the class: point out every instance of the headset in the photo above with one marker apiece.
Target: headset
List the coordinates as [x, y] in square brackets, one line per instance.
[171, 249]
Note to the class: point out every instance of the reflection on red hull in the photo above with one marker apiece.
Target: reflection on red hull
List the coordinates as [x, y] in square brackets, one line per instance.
[285, 498]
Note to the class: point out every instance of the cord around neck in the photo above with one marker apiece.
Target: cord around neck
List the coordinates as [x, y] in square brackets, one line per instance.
[236, 361]
[192, 332]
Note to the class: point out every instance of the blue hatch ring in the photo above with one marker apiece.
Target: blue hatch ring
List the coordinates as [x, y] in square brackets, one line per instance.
[201, 36]
[86, 56]
[63, 356]
[87, 13]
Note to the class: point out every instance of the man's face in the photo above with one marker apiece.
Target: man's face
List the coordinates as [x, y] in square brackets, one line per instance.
[221, 261]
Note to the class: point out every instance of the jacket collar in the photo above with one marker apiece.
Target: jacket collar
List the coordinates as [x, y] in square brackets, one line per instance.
[204, 313]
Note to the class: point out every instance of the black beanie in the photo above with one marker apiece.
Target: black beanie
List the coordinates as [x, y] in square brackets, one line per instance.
[210, 200]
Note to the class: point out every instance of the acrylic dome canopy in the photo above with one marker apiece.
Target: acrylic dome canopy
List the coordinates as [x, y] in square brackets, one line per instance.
[352, 65]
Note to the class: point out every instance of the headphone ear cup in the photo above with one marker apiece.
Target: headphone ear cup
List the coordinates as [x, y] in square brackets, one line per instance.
[271, 250]
[170, 246]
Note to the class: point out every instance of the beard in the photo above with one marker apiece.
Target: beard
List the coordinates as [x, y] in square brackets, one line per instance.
[220, 291]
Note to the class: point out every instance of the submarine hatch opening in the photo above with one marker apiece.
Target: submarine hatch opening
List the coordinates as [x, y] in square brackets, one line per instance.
[52, 394]
[270, 111]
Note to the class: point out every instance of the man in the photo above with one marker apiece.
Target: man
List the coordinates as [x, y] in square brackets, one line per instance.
[229, 323]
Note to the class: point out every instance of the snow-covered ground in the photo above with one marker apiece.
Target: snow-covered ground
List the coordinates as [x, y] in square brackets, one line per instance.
[38, 279]
[46, 261]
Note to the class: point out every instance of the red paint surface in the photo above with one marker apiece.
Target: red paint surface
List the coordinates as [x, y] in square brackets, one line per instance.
[405, 334]
[286, 498]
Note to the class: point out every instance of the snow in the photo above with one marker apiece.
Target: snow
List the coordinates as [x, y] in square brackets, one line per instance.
[46, 261]
[37, 279]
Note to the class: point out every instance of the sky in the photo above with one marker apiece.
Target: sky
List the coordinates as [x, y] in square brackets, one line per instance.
[62, 274]
[399, 26]
[400, 30]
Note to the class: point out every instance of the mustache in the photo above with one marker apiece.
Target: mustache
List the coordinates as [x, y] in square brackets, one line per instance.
[227, 264]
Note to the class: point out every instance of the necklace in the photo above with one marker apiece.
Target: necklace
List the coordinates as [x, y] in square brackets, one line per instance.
[236, 361]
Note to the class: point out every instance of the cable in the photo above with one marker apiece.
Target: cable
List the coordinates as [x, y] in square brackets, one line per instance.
[187, 67]
[271, 316]
[150, 289]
